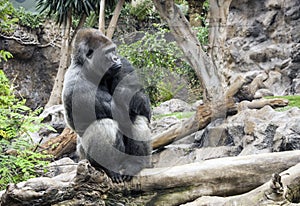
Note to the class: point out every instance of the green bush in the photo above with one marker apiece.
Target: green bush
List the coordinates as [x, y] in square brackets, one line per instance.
[6, 19]
[28, 19]
[155, 59]
[143, 10]
[18, 162]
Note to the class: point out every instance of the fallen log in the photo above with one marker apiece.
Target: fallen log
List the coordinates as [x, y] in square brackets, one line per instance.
[204, 115]
[223, 176]
[63, 144]
[176, 185]
[282, 189]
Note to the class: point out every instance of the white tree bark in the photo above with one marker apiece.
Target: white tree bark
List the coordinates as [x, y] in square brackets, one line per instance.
[272, 192]
[208, 74]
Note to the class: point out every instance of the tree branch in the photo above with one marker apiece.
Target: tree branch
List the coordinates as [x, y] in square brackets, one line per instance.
[192, 49]
[113, 22]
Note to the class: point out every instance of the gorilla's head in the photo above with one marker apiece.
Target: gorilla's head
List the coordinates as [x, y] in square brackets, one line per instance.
[95, 52]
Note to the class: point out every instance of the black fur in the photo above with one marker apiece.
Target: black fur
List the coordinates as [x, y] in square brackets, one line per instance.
[106, 106]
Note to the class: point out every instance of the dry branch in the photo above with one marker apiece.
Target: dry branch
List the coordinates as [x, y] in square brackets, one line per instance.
[63, 144]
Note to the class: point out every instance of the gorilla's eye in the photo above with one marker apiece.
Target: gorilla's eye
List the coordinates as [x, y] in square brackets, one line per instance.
[89, 53]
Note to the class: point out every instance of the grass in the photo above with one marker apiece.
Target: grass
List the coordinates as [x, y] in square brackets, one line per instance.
[294, 101]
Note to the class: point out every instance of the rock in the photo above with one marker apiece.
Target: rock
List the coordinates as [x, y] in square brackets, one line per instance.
[64, 167]
[262, 93]
[175, 155]
[254, 131]
[34, 67]
[268, 42]
[171, 106]
[53, 117]
[265, 130]
[296, 87]
[213, 135]
[20, 51]
[287, 136]
[157, 126]
[277, 83]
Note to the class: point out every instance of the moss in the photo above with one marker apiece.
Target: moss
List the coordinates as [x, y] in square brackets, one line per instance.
[294, 101]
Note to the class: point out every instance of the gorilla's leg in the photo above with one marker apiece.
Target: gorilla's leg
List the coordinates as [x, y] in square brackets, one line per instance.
[138, 148]
[102, 144]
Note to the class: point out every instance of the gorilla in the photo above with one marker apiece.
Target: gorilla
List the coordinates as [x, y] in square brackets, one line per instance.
[106, 106]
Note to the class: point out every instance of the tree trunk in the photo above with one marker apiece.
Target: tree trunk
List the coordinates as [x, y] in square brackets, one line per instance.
[218, 12]
[102, 16]
[113, 22]
[186, 39]
[277, 191]
[173, 185]
[55, 97]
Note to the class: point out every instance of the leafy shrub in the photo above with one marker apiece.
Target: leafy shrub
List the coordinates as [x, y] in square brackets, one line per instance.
[155, 59]
[28, 19]
[143, 10]
[202, 34]
[18, 162]
[5, 55]
[6, 20]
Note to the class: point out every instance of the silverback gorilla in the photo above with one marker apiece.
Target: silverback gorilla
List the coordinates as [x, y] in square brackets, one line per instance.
[106, 106]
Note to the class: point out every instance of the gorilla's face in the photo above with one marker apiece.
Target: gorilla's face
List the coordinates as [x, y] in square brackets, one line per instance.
[95, 52]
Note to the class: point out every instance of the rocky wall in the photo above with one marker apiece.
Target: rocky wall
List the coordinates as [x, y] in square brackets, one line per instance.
[35, 62]
[263, 43]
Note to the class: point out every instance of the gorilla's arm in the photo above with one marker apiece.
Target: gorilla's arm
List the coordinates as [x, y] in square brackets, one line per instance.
[103, 103]
[139, 105]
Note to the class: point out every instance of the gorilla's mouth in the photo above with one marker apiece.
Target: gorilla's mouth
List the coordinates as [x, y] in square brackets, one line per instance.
[116, 66]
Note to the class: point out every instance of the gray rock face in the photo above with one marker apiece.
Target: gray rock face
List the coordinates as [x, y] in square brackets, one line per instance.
[250, 131]
[255, 131]
[171, 106]
[33, 68]
[264, 36]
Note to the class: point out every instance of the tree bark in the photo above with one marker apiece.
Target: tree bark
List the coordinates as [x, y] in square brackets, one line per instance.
[113, 22]
[64, 144]
[176, 185]
[218, 12]
[102, 16]
[55, 97]
[282, 189]
[186, 39]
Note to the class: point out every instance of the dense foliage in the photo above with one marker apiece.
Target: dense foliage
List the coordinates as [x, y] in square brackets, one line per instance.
[61, 8]
[6, 22]
[6, 19]
[18, 162]
[28, 19]
[156, 59]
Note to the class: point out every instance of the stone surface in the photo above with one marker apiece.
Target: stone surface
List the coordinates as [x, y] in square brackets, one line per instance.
[251, 131]
[34, 66]
[171, 106]
[264, 36]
